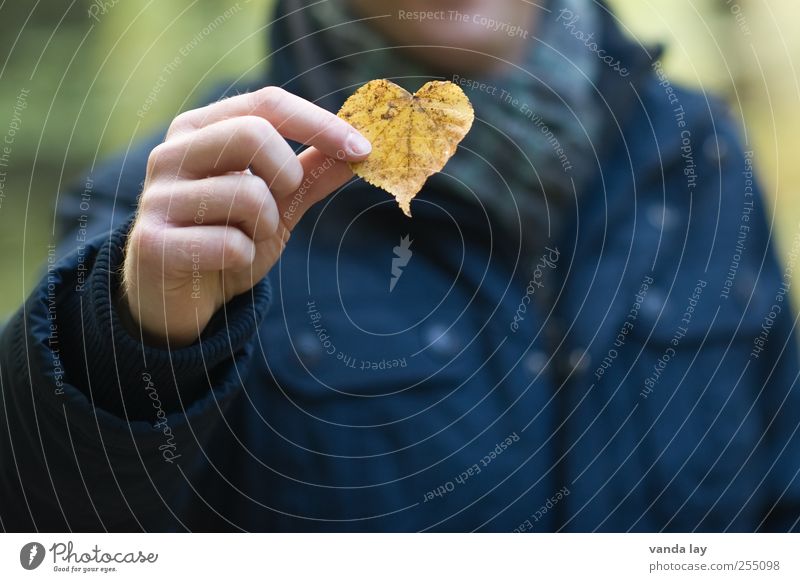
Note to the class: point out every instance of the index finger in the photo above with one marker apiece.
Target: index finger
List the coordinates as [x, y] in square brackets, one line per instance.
[292, 116]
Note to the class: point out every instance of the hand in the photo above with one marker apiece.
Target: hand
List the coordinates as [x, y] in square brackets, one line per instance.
[220, 199]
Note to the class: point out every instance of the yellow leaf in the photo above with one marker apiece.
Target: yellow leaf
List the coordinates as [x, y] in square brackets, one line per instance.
[412, 136]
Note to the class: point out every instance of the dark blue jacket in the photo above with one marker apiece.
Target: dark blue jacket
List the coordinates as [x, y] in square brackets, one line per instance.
[654, 390]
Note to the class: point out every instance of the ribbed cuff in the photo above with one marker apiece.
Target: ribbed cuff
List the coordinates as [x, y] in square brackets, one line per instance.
[129, 379]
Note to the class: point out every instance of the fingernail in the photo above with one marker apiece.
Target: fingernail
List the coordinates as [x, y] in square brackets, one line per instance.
[357, 144]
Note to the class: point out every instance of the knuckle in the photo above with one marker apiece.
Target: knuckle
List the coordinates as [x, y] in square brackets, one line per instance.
[254, 131]
[155, 202]
[182, 122]
[158, 159]
[237, 249]
[258, 206]
[252, 190]
[269, 97]
[250, 198]
[148, 239]
[205, 193]
[151, 201]
[269, 217]
[332, 125]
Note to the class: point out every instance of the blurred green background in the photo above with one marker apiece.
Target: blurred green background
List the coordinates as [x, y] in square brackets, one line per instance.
[89, 67]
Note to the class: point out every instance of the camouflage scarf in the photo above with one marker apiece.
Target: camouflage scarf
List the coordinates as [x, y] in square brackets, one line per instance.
[530, 147]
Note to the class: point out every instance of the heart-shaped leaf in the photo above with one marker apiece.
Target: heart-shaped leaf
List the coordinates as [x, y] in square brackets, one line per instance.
[412, 136]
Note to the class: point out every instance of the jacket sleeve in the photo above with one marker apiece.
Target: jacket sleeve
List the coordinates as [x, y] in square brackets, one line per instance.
[767, 322]
[780, 404]
[774, 354]
[774, 361]
[100, 431]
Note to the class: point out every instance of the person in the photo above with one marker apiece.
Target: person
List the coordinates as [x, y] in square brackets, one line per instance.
[582, 328]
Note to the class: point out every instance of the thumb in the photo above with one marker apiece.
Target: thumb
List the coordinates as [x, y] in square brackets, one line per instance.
[322, 174]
